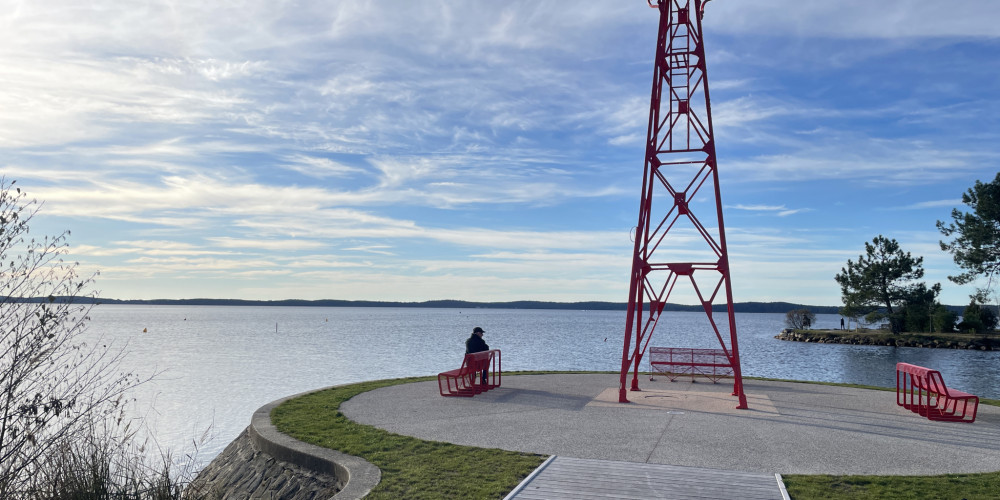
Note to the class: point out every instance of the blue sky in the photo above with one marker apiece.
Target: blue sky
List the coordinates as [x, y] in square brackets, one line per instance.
[486, 151]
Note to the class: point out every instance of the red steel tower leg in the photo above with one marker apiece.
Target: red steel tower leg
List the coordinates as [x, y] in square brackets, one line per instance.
[680, 180]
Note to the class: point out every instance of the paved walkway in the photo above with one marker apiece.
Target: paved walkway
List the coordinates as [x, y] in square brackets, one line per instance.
[790, 428]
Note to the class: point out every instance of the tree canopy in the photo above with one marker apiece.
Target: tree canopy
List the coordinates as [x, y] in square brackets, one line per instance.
[977, 319]
[975, 243]
[883, 282]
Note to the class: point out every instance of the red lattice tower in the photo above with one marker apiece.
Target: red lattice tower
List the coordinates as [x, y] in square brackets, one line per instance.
[687, 245]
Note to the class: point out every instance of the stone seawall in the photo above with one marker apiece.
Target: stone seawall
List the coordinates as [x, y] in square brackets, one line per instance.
[902, 340]
[263, 463]
[243, 471]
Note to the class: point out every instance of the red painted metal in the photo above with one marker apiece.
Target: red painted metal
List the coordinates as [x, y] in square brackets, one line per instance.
[923, 391]
[681, 175]
[466, 381]
[675, 362]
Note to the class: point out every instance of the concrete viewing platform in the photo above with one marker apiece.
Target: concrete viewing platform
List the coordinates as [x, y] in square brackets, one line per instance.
[687, 428]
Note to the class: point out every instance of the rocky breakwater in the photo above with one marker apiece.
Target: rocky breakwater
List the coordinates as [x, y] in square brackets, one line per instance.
[263, 463]
[887, 339]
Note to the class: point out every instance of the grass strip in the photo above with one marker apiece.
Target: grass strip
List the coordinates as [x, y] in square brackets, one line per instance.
[966, 486]
[418, 469]
[411, 467]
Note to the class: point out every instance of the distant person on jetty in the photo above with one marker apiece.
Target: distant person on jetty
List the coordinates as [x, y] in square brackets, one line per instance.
[477, 344]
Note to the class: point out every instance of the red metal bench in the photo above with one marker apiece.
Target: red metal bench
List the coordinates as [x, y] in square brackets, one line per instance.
[922, 391]
[467, 380]
[675, 362]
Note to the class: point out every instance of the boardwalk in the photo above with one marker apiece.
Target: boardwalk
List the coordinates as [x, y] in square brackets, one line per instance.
[582, 479]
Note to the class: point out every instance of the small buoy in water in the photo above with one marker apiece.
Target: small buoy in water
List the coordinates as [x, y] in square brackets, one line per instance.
[605, 339]
[143, 330]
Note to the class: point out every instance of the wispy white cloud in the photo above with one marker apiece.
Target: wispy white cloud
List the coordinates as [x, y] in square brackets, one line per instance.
[742, 111]
[194, 266]
[785, 213]
[779, 210]
[855, 18]
[283, 244]
[931, 204]
[146, 248]
[881, 161]
[758, 208]
[54, 101]
[318, 167]
[730, 84]
[376, 249]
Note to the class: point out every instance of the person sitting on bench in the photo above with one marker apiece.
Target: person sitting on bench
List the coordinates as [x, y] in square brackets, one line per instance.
[474, 344]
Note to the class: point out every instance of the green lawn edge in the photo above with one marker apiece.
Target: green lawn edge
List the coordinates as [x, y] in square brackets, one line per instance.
[411, 467]
[419, 469]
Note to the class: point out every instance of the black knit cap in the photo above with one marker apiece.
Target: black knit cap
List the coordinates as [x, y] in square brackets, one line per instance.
[478, 330]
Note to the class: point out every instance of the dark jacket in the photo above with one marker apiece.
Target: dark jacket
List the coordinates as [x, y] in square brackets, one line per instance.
[475, 344]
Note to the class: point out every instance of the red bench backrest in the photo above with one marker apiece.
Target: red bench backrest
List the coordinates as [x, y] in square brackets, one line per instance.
[924, 378]
[477, 361]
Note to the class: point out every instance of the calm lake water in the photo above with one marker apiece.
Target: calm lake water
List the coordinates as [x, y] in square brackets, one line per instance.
[217, 365]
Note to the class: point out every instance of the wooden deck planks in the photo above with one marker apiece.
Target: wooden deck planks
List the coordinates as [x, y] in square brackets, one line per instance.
[583, 479]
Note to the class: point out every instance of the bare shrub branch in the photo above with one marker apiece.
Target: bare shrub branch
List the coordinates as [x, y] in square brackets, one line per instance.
[54, 386]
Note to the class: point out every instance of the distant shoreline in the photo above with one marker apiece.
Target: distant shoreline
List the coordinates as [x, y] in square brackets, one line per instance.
[741, 307]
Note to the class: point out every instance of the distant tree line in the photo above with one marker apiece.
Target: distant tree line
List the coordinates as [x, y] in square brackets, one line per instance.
[741, 307]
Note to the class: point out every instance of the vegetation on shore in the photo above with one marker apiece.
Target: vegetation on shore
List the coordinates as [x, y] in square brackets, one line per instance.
[66, 422]
[864, 336]
[883, 285]
[414, 468]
